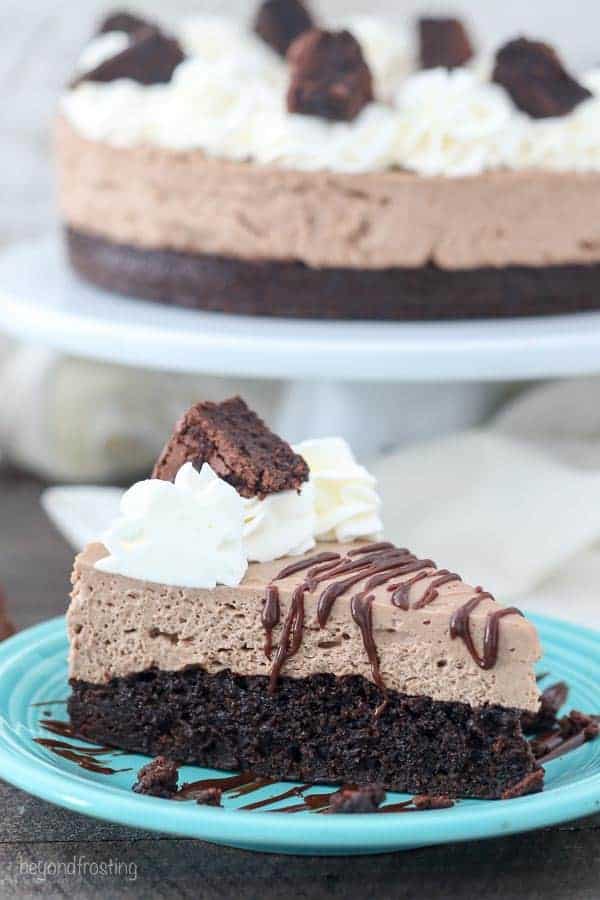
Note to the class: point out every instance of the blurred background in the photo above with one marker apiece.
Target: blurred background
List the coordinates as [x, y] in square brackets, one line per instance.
[40, 41]
[531, 471]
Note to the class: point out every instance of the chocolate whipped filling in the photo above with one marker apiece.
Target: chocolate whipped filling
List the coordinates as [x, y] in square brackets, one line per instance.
[151, 198]
[380, 613]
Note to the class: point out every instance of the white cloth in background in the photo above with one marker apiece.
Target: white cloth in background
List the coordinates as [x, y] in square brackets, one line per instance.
[515, 506]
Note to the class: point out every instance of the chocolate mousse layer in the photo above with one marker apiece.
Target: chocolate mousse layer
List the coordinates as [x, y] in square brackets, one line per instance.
[158, 199]
[292, 289]
[428, 632]
[316, 729]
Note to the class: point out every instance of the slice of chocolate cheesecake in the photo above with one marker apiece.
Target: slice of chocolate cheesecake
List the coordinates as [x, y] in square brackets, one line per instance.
[353, 662]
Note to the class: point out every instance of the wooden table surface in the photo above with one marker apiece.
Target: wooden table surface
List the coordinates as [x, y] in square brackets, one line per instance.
[562, 862]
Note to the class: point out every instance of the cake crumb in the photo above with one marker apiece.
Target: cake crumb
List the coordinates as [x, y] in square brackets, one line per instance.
[427, 801]
[210, 797]
[158, 778]
[365, 799]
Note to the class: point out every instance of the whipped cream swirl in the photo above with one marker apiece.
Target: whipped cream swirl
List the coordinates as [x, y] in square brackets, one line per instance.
[346, 501]
[280, 525]
[187, 533]
[452, 122]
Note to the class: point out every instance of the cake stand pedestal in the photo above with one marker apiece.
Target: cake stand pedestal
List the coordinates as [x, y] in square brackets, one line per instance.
[377, 383]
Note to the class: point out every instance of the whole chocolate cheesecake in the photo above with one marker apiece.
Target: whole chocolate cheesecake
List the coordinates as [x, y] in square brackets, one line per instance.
[356, 169]
[339, 658]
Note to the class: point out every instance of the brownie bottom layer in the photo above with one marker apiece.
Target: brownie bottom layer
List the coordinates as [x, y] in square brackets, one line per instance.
[293, 289]
[317, 729]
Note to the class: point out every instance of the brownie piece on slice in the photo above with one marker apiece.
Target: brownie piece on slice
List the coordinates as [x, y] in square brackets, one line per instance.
[238, 446]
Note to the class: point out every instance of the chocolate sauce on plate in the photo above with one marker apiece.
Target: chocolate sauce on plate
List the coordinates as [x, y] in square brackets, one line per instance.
[85, 757]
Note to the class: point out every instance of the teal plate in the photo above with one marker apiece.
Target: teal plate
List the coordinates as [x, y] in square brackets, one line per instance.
[33, 671]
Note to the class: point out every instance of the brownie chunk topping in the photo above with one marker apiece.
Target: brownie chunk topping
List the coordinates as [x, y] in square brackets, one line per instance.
[330, 77]
[151, 58]
[123, 21]
[537, 81]
[280, 22]
[158, 778]
[237, 445]
[365, 799]
[444, 42]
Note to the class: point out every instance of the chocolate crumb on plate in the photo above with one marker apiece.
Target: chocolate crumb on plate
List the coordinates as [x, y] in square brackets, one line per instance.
[551, 701]
[237, 445]
[330, 77]
[444, 42]
[365, 799]
[209, 797]
[577, 722]
[426, 801]
[151, 58]
[280, 22]
[536, 79]
[158, 778]
[123, 21]
[531, 784]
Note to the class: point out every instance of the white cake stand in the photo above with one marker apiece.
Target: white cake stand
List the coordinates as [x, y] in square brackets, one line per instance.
[363, 379]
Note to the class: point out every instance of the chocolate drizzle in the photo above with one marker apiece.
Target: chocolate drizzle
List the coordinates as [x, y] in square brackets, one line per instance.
[371, 565]
[291, 639]
[303, 564]
[247, 783]
[373, 548]
[460, 626]
[432, 593]
[361, 607]
[270, 617]
[401, 592]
